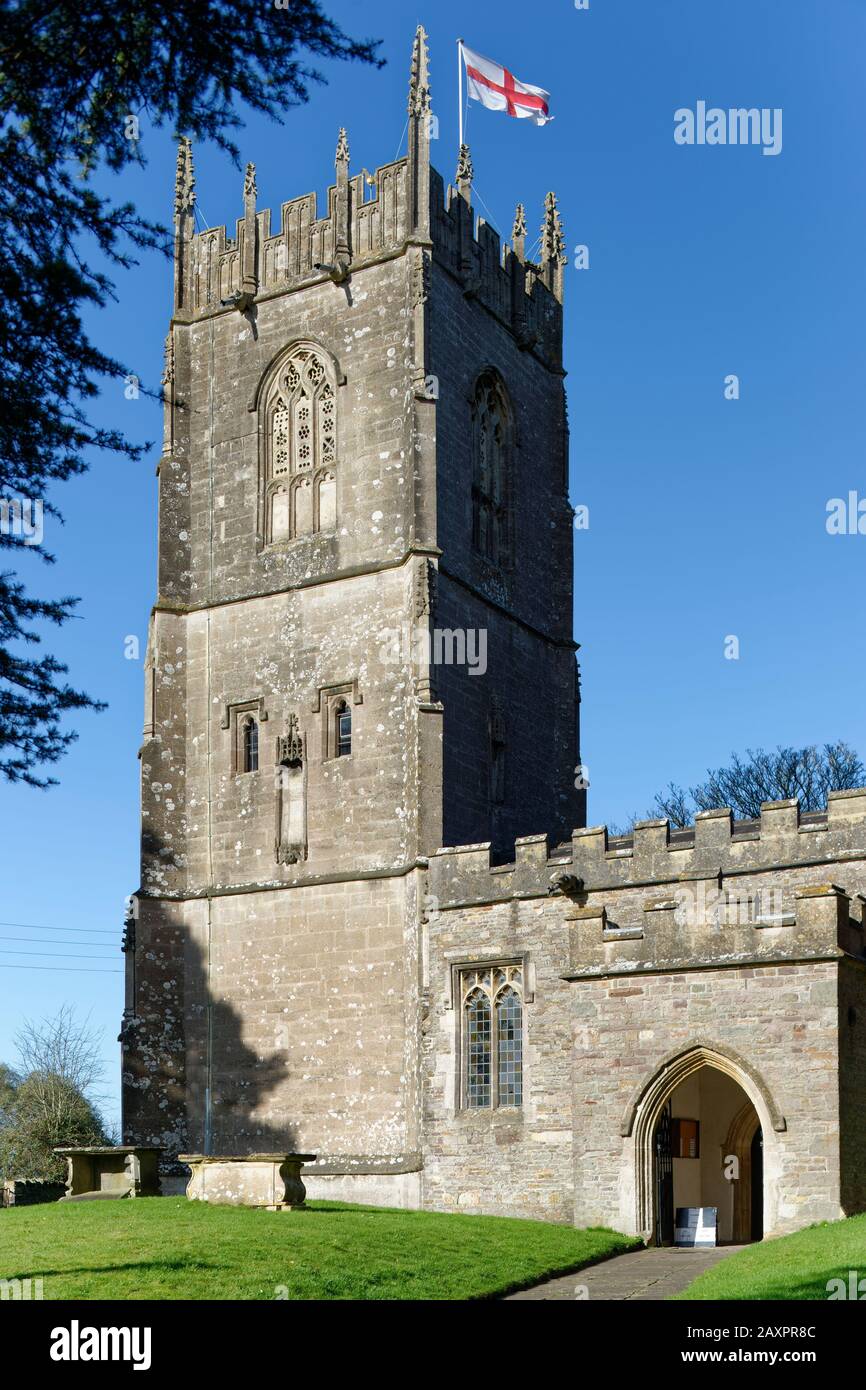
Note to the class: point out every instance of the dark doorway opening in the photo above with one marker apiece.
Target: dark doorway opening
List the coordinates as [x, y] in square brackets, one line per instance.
[758, 1185]
[664, 1178]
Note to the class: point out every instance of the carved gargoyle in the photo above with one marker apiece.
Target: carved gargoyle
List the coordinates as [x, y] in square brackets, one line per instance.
[569, 885]
[242, 301]
[338, 271]
[527, 339]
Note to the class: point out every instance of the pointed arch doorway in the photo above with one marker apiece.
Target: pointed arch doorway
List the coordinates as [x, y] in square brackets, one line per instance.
[699, 1127]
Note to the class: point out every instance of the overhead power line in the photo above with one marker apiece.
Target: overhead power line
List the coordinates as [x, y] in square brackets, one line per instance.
[36, 941]
[72, 969]
[65, 955]
[35, 926]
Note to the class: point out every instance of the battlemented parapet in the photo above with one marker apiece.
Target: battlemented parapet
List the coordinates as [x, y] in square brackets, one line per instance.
[526, 296]
[292, 255]
[721, 891]
[654, 856]
[368, 217]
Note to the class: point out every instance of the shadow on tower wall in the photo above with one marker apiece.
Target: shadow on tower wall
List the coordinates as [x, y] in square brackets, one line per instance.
[193, 1079]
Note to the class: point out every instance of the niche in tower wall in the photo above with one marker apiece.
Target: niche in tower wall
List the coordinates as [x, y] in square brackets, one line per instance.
[291, 796]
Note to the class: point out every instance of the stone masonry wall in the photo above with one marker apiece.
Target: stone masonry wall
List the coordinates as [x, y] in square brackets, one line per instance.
[534, 681]
[233, 950]
[27, 1192]
[230, 940]
[277, 1005]
[513, 1162]
[279, 1021]
[524, 609]
[642, 958]
[780, 1019]
[372, 348]
[283, 650]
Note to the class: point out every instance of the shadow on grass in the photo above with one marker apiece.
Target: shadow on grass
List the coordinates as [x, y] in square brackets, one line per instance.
[322, 1208]
[177, 1266]
[755, 1288]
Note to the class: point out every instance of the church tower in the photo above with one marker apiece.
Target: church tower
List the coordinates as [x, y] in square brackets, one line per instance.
[360, 649]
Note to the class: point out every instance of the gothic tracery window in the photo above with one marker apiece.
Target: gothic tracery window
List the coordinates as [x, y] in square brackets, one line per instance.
[491, 440]
[301, 448]
[492, 1014]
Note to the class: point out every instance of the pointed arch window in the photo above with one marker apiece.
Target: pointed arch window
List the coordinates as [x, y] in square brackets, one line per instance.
[478, 1049]
[491, 448]
[509, 1046]
[492, 1032]
[300, 483]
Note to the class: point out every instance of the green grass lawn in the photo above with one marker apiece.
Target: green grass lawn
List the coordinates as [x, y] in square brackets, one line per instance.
[797, 1266]
[170, 1248]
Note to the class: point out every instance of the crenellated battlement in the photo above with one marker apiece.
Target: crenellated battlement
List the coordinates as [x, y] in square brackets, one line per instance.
[719, 894]
[290, 256]
[525, 295]
[367, 217]
[715, 846]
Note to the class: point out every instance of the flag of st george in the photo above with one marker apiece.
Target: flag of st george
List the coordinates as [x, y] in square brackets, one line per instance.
[498, 89]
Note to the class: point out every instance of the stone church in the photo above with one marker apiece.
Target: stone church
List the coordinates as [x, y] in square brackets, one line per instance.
[372, 923]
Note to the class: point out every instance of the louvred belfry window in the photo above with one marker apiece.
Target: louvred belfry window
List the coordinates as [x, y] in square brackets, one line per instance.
[491, 442]
[300, 476]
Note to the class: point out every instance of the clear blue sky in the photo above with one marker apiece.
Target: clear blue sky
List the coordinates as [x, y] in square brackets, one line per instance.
[707, 516]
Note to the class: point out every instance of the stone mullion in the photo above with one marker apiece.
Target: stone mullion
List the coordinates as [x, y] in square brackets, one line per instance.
[494, 1053]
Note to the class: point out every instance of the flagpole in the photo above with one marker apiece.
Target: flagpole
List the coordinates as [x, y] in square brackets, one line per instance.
[460, 89]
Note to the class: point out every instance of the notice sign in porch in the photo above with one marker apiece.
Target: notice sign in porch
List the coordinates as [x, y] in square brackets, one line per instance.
[696, 1226]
